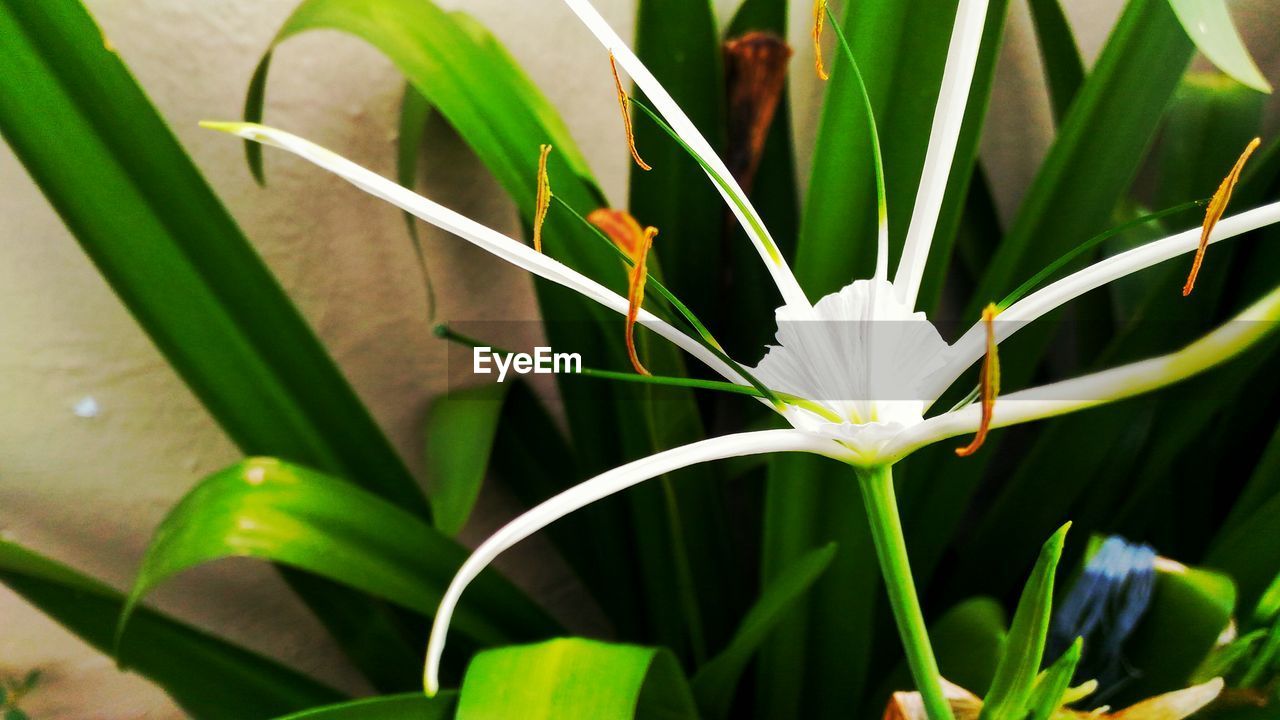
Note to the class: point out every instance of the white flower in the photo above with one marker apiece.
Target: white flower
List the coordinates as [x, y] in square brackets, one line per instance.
[868, 365]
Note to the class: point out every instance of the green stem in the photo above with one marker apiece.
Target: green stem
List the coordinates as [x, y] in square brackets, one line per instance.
[891, 550]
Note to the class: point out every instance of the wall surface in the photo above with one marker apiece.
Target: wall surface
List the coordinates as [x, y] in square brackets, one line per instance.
[88, 488]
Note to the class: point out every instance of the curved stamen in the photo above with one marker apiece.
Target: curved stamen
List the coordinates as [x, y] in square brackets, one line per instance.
[1217, 206]
[819, 19]
[624, 102]
[625, 232]
[989, 382]
[543, 199]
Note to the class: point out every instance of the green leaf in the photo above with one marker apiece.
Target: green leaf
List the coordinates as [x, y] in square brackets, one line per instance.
[1063, 66]
[460, 432]
[812, 667]
[1208, 23]
[290, 515]
[1189, 610]
[1015, 677]
[678, 41]
[195, 668]
[390, 707]
[901, 49]
[574, 678]
[414, 112]
[1046, 696]
[448, 57]
[716, 681]
[140, 209]
[1096, 154]
[116, 174]
[1223, 660]
[1247, 554]
[968, 640]
[776, 197]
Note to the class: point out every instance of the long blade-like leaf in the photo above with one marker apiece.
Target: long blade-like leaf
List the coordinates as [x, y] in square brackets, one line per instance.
[288, 514]
[716, 681]
[901, 49]
[1011, 689]
[575, 678]
[460, 432]
[448, 57]
[209, 677]
[138, 206]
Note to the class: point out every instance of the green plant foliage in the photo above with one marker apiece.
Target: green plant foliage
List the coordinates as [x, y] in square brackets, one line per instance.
[293, 516]
[1063, 66]
[460, 432]
[1046, 695]
[195, 668]
[140, 209]
[678, 42]
[1012, 688]
[717, 680]
[1189, 611]
[575, 678]
[391, 707]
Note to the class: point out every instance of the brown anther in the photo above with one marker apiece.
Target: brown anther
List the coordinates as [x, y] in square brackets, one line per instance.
[756, 73]
[990, 381]
[1217, 206]
[635, 243]
[819, 22]
[544, 197]
[624, 102]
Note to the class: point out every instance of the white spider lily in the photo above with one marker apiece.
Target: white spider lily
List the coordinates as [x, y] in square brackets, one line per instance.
[862, 365]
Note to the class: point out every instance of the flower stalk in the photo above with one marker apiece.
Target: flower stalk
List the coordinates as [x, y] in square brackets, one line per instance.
[891, 550]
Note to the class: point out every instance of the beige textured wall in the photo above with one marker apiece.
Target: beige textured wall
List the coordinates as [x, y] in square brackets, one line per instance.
[90, 490]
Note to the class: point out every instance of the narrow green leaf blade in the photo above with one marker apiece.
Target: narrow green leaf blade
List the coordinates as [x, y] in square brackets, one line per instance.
[1208, 23]
[1063, 66]
[574, 678]
[415, 706]
[716, 681]
[1015, 676]
[196, 669]
[1046, 696]
[118, 177]
[287, 514]
[140, 209]
[679, 43]
[460, 431]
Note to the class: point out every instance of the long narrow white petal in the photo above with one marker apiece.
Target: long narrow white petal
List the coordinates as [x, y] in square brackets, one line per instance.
[1242, 332]
[971, 346]
[514, 252]
[962, 56]
[598, 488]
[663, 103]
